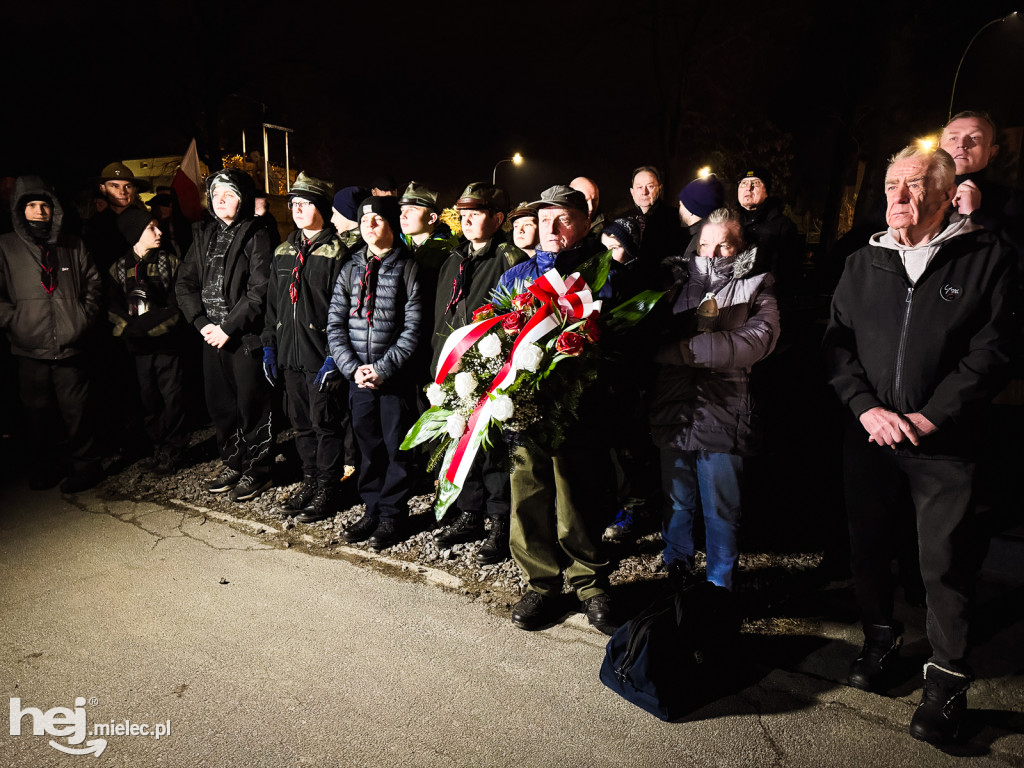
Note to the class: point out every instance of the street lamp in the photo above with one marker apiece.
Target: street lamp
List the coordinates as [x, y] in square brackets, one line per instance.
[958, 66]
[516, 159]
[704, 172]
[927, 143]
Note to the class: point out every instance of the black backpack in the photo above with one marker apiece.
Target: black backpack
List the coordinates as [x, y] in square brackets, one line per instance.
[670, 658]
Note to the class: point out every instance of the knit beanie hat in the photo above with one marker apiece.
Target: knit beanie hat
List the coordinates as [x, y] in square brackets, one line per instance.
[756, 172]
[346, 202]
[627, 232]
[702, 196]
[132, 222]
[385, 207]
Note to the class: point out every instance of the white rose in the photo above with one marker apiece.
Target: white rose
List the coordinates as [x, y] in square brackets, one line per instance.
[489, 346]
[455, 425]
[528, 357]
[465, 384]
[502, 408]
[435, 395]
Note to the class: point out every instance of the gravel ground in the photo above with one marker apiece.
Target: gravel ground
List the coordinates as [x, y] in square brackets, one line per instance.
[766, 580]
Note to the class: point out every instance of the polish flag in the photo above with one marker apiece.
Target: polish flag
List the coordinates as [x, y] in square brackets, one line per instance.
[186, 184]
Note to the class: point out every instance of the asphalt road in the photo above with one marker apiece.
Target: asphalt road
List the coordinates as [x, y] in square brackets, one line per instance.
[255, 655]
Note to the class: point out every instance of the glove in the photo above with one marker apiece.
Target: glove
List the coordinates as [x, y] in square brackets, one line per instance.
[270, 364]
[328, 377]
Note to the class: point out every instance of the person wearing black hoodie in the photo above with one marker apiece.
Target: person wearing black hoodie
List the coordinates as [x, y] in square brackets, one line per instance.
[222, 290]
[49, 297]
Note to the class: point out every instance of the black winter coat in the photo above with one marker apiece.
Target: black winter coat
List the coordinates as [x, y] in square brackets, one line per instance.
[299, 331]
[246, 276]
[388, 342]
[940, 347]
[41, 325]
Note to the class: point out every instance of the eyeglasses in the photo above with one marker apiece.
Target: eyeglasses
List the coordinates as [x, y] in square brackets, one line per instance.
[751, 184]
[299, 205]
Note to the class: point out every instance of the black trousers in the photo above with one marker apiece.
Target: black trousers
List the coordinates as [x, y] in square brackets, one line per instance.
[238, 398]
[880, 485]
[487, 487]
[380, 419]
[49, 388]
[322, 423]
[162, 391]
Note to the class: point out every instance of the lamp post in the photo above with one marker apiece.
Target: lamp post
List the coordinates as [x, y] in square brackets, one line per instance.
[952, 94]
[516, 159]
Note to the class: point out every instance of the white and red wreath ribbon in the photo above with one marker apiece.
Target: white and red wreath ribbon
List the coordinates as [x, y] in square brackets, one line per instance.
[558, 298]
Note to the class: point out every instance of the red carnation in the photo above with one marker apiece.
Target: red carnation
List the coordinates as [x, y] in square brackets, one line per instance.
[569, 343]
[483, 313]
[513, 323]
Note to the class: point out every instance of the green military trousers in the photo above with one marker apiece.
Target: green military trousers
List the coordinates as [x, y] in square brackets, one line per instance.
[561, 502]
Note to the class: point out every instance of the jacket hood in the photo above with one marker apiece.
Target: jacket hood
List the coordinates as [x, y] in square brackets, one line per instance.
[245, 185]
[26, 187]
[956, 225]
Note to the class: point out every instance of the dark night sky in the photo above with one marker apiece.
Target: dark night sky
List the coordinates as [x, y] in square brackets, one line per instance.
[593, 88]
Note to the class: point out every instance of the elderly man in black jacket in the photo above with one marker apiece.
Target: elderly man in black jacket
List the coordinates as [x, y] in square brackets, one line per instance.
[918, 344]
[373, 329]
[222, 290]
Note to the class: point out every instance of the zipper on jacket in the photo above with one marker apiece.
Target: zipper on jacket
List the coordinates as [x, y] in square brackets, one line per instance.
[901, 350]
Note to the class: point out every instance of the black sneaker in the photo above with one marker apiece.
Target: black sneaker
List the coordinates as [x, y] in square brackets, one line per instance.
[225, 481]
[250, 487]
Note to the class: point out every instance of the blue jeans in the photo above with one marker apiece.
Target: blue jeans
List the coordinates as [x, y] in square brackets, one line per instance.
[694, 480]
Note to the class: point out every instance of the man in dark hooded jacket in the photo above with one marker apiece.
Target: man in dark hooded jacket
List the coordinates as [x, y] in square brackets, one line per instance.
[222, 289]
[49, 296]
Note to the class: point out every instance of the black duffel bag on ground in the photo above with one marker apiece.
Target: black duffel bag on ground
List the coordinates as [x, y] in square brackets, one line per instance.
[671, 658]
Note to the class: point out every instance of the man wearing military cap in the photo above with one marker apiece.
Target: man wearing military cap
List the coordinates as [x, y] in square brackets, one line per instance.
[562, 498]
[467, 278]
[120, 189]
[303, 272]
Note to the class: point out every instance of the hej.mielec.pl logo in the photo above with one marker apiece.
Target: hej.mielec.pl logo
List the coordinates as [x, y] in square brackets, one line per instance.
[61, 722]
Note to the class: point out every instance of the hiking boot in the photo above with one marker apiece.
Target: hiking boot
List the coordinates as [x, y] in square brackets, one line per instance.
[467, 527]
[533, 611]
[386, 535]
[877, 658]
[622, 529]
[361, 530]
[250, 487]
[323, 506]
[943, 703]
[495, 549]
[225, 481]
[302, 497]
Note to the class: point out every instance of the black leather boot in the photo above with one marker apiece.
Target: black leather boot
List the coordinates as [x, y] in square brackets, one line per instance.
[495, 549]
[881, 650]
[468, 527]
[943, 703]
[302, 496]
[323, 506]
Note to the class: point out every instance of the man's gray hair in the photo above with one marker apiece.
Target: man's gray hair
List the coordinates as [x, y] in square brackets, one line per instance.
[941, 168]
